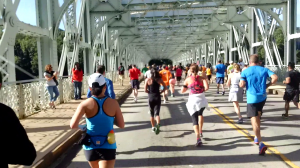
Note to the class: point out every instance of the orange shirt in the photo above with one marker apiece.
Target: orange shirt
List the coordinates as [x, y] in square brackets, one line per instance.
[203, 69]
[165, 76]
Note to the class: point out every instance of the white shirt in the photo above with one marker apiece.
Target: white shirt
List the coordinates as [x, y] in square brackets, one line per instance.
[148, 74]
[241, 64]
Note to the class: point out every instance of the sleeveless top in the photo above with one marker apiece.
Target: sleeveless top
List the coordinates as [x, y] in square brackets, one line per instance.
[100, 125]
[197, 86]
[208, 71]
[235, 80]
[154, 88]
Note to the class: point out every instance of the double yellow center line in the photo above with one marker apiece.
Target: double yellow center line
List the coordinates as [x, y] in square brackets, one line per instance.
[243, 131]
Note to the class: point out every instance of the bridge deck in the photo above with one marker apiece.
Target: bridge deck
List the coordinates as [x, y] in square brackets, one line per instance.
[226, 144]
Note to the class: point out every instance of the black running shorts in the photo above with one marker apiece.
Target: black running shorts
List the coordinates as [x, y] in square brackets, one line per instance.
[135, 84]
[208, 77]
[291, 95]
[178, 78]
[195, 116]
[100, 154]
[254, 108]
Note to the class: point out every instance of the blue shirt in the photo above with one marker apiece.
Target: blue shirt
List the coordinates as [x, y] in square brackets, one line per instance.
[221, 68]
[109, 90]
[256, 78]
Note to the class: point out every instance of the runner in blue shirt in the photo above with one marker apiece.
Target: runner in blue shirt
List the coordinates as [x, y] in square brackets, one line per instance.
[254, 78]
[220, 74]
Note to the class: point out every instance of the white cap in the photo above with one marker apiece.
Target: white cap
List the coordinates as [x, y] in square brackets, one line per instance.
[96, 78]
[231, 62]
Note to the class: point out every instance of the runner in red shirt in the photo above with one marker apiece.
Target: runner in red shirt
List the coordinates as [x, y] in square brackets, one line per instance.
[178, 74]
[134, 74]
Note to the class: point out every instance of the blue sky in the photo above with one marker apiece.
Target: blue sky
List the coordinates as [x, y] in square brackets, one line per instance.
[26, 12]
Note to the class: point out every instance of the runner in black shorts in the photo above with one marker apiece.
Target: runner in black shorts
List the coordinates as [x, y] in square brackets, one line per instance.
[152, 87]
[292, 80]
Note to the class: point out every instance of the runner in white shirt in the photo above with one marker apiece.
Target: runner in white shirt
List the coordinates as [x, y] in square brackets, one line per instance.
[241, 63]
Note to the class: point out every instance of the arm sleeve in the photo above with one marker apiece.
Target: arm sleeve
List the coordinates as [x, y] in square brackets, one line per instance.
[20, 150]
[270, 73]
[110, 89]
[243, 76]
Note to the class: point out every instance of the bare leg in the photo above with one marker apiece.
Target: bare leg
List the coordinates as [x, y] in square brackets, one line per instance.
[287, 107]
[222, 85]
[218, 86]
[157, 120]
[172, 88]
[196, 129]
[237, 108]
[297, 104]
[152, 121]
[94, 164]
[107, 163]
[201, 120]
[255, 121]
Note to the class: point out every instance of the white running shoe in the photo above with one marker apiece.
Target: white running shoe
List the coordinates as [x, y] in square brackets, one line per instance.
[165, 101]
[135, 99]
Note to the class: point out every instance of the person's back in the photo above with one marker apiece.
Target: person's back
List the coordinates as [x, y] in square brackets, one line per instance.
[134, 73]
[256, 77]
[220, 70]
[295, 79]
[208, 71]
[235, 79]
[195, 84]
[166, 76]
[154, 87]
[144, 70]
[178, 72]
[229, 69]
[121, 70]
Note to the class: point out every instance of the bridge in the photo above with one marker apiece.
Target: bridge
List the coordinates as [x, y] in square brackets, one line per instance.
[110, 32]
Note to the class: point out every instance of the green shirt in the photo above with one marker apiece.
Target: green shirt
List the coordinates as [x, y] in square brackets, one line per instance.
[230, 67]
[144, 70]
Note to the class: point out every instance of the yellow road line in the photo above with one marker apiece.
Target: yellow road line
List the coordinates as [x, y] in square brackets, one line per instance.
[243, 131]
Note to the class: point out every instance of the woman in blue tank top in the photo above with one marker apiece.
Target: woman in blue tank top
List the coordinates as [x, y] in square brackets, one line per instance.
[99, 143]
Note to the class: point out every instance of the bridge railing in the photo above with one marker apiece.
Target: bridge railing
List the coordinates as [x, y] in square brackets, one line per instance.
[31, 96]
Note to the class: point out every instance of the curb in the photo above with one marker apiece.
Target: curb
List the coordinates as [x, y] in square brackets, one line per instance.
[54, 154]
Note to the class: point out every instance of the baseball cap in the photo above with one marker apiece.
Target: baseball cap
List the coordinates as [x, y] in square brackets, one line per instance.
[231, 62]
[96, 80]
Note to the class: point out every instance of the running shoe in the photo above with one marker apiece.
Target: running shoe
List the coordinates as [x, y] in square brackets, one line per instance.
[199, 143]
[135, 99]
[217, 92]
[201, 134]
[172, 95]
[153, 129]
[262, 148]
[157, 129]
[285, 116]
[240, 121]
[165, 101]
[223, 93]
[256, 141]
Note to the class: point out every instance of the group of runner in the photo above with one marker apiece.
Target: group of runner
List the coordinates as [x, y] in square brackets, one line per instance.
[99, 142]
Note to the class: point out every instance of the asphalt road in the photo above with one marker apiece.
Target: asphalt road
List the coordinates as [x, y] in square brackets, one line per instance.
[225, 144]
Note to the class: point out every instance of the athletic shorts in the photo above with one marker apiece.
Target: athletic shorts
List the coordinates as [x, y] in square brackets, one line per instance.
[154, 104]
[291, 95]
[135, 84]
[121, 77]
[220, 80]
[100, 154]
[254, 108]
[178, 78]
[208, 77]
[195, 116]
[162, 87]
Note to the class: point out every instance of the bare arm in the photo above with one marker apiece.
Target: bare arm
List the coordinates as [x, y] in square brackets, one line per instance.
[287, 80]
[146, 86]
[160, 81]
[274, 78]
[229, 81]
[77, 116]
[49, 78]
[184, 89]
[119, 119]
[205, 84]
[242, 83]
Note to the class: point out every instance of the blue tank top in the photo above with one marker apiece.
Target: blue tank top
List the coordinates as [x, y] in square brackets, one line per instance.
[100, 125]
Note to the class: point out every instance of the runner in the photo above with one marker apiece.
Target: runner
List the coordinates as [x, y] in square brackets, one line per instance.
[172, 80]
[245, 67]
[144, 70]
[220, 70]
[236, 92]
[208, 73]
[121, 70]
[178, 74]
[292, 79]
[148, 73]
[152, 87]
[134, 74]
[99, 141]
[197, 101]
[230, 68]
[241, 63]
[166, 76]
[254, 78]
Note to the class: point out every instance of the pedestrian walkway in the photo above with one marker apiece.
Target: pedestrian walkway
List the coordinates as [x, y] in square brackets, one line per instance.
[50, 131]
[225, 144]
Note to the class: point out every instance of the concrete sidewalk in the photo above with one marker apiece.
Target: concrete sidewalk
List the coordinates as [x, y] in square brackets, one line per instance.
[50, 132]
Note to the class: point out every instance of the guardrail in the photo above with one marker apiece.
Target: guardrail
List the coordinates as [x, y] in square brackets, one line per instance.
[31, 96]
[280, 72]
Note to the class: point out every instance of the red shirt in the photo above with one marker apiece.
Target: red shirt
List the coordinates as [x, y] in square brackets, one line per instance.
[77, 75]
[134, 73]
[178, 72]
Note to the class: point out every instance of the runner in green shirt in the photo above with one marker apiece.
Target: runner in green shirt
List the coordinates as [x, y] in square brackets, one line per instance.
[145, 69]
[230, 68]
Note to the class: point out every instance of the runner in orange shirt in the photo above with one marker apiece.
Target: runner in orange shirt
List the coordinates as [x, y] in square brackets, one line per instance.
[166, 76]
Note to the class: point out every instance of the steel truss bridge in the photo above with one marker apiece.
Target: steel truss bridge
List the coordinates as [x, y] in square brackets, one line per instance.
[136, 31]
